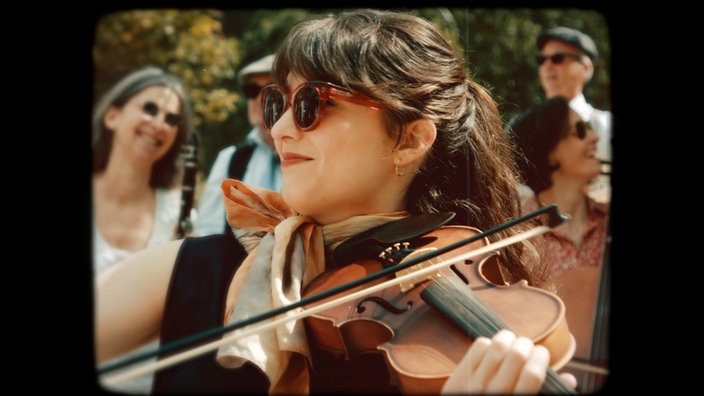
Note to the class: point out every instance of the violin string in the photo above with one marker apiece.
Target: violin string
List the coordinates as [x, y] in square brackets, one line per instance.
[114, 378]
[554, 218]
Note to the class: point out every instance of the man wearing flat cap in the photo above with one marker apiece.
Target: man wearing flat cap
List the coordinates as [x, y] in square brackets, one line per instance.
[253, 161]
[565, 66]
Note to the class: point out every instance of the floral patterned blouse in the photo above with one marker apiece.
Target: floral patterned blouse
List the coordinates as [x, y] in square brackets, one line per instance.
[562, 252]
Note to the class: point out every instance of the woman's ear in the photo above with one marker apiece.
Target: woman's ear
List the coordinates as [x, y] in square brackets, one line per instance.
[418, 137]
[588, 70]
[110, 116]
[552, 160]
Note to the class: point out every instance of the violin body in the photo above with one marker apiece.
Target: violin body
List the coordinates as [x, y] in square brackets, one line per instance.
[421, 344]
[443, 289]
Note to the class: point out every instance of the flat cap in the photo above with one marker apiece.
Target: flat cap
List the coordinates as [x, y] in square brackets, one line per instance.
[261, 66]
[571, 36]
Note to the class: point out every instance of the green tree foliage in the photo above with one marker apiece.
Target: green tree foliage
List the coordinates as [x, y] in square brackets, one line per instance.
[206, 48]
[189, 43]
[499, 46]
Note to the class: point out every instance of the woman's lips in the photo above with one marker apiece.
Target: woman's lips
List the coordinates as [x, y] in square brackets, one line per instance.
[289, 158]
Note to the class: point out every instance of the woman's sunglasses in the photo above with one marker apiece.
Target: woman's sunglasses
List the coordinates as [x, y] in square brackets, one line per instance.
[556, 58]
[308, 102]
[251, 90]
[582, 129]
[152, 109]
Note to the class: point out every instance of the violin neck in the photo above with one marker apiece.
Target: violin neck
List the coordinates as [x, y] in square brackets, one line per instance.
[458, 303]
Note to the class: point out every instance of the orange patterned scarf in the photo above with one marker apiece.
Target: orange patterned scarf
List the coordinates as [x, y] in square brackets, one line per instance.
[286, 252]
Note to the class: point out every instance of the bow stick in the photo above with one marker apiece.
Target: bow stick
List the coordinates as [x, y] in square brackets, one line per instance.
[554, 219]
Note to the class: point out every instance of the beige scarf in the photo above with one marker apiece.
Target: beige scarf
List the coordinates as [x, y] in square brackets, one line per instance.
[286, 252]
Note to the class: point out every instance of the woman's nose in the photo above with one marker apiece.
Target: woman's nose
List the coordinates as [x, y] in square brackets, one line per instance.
[593, 135]
[284, 127]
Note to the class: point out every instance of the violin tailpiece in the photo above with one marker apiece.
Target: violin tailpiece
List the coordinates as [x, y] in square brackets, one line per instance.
[410, 284]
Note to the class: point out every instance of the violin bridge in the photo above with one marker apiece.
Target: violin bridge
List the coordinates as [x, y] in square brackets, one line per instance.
[413, 282]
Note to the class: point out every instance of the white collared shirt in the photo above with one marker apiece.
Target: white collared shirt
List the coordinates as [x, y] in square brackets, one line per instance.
[600, 120]
[263, 170]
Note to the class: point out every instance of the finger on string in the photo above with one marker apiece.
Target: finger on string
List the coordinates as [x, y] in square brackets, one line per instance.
[507, 375]
[534, 372]
[486, 370]
[569, 379]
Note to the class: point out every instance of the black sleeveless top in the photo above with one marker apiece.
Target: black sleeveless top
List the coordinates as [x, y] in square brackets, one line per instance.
[196, 302]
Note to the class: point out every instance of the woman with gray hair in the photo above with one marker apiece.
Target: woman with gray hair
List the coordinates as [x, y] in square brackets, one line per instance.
[139, 127]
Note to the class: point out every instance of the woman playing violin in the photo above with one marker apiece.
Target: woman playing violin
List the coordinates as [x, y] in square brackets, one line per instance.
[375, 119]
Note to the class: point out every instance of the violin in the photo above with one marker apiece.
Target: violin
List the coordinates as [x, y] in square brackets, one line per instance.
[438, 302]
[424, 326]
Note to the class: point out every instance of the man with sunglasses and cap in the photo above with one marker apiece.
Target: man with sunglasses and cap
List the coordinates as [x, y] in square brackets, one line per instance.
[253, 161]
[565, 66]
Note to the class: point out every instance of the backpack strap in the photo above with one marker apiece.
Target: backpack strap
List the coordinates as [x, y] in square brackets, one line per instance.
[239, 160]
[238, 165]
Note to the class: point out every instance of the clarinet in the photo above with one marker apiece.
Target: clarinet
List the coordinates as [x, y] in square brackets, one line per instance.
[189, 153]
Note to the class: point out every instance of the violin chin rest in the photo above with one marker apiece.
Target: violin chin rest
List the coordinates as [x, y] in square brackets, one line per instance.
[368, 244]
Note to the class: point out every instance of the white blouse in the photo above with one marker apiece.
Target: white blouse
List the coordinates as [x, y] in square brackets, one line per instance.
[168, 206]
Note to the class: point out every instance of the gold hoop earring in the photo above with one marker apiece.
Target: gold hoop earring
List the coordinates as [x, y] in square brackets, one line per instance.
[398, 172]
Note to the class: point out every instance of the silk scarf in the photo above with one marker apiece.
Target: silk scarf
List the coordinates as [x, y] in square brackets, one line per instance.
[286, 251]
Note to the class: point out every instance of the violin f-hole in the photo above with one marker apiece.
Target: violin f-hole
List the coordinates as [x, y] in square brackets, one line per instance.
[459, 273]
[384, 304]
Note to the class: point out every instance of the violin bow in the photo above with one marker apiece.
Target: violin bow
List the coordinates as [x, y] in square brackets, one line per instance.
[554, 218]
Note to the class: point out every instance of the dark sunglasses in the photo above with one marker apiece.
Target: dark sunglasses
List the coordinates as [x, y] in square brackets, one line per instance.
[556, 58]
[251, 90]
[152, 109]
[308, 102]
[582, 129]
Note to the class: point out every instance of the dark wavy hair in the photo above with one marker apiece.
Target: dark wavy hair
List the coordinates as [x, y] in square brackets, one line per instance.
[405, 63]
[537, 132]
[165, 171]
